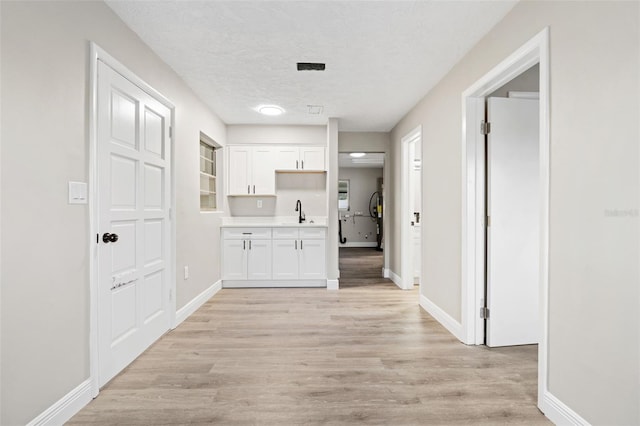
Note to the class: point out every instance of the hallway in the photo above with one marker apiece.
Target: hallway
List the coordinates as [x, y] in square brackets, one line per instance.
[365, 354]
[361, 267]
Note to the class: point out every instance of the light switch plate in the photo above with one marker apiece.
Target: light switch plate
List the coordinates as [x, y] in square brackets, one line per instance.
[77, 193]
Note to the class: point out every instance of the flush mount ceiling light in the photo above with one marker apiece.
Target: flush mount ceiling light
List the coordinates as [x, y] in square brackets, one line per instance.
[357, 154]
[272, 110]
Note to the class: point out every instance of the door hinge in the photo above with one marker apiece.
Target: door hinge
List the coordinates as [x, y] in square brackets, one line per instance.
[485, 127]
[484, 312]
[488, 221]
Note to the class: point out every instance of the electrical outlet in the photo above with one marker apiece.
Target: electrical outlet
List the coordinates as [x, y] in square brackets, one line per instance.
[186, 272]
[259, 204]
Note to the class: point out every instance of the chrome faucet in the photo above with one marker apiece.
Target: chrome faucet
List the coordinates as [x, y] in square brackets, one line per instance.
[299, 210]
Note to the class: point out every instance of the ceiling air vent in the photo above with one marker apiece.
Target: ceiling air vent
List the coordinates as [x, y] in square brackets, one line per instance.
[310, 66]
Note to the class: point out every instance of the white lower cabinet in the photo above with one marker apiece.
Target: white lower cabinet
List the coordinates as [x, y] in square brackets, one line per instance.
[288, 257]
[246, 254]
[299, 253]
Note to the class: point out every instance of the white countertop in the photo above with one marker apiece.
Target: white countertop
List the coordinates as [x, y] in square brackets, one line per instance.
[274, 222]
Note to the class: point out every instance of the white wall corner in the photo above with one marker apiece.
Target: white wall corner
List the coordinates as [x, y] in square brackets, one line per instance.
[442, 317]
[559, 413]
[386, 272]
[66, 407]
[188, 309]
[333, 284]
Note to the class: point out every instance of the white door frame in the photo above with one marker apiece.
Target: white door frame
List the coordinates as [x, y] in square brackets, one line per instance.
[406, 237]
[534, 51]
[98, 54]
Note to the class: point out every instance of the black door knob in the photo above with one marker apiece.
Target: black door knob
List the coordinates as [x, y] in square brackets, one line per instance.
[109, 238]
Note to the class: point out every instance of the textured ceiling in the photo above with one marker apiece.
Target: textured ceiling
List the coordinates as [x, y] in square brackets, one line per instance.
[382, 57]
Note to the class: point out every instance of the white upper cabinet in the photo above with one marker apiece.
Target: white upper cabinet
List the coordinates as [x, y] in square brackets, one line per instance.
[251, 170]
[312, 158]
[300, 158]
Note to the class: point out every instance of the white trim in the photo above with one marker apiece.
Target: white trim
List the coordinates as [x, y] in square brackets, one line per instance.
[386, 272]
[333, 284]
[446, 320]
[187, 310]
[96, 53]
[406, 240]
[358, 244]
[66, 407]
[559, 413]
[534, 51]
[395, 278]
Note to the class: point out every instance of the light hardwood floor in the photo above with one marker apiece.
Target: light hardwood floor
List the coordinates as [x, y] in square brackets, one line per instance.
[366, 354]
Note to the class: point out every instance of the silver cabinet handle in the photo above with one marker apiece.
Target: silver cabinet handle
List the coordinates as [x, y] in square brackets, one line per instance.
[248, 189]
[249, 244]
[302, 164]
[244, 244]
[254, 189]
[296, 164]
[296, 244]
[300, 244]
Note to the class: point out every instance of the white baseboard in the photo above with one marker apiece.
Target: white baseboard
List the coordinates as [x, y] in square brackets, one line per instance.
[395, 278]
[333, 284]
[559, 413]
[442, 317]
[66, 407]
[188, 309]
[359, 244]
[386, 272]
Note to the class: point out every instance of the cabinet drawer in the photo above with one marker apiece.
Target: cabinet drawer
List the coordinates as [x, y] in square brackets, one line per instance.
[312, 233]
[285, 233]
[249, 233]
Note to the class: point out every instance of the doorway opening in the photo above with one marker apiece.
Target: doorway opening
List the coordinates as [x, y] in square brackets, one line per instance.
[411, 209]
[484, 250]
[361, 217]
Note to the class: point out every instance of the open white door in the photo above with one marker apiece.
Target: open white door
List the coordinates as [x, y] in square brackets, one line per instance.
[513, 194]
[133, 189]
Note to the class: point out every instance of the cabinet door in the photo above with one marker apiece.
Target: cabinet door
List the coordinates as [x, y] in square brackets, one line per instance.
[259, 260]
[234, 260]
[312, 158]
[285, 259]
[312, 259]
[287, 158]
[239, 170]
[263, 179]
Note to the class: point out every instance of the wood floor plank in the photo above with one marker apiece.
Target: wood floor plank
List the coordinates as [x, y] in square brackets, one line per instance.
[367, 354]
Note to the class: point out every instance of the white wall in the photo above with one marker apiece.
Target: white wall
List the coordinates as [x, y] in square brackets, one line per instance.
[45, 259]
[594, 225]
[276, 134]
[362, 183]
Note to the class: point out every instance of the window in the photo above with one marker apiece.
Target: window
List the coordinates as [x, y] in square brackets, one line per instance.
[208, 193]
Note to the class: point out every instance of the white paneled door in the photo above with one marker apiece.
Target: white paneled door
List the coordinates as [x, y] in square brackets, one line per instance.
[133, 207]
[513, 194]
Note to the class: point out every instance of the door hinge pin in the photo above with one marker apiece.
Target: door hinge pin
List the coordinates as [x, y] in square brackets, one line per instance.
[488, 221]
[485, 127]
[484, 313]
